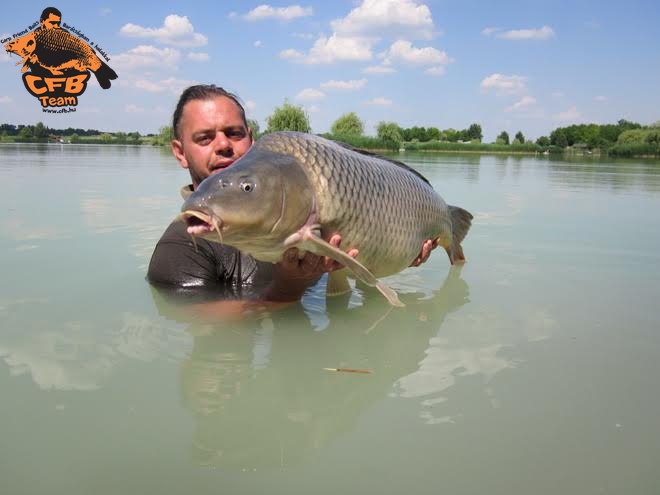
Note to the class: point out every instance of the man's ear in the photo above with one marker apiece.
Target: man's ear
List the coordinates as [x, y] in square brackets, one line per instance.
[177, 151]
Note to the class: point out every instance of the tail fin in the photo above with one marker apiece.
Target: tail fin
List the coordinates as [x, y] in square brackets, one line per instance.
[461, 220]
[104, 74]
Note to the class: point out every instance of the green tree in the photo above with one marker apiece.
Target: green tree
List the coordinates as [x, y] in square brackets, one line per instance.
[134, 137]
[632, 136]
[520, 137]
[433, 133]
[451, 135]
[543, 141]
[348, 124]
[474, 132]
[254, 125]
[165, 135]
[558, 138]
[25, 132]
[40, 130]
[653, 136]
[503, 138]
[389, 131]
[106, 138]
[288, 117]
[74, 138]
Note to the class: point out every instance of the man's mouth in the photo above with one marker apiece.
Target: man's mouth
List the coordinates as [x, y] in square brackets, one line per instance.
[220, 166]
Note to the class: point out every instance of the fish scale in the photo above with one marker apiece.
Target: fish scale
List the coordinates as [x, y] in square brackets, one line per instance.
[378, 206]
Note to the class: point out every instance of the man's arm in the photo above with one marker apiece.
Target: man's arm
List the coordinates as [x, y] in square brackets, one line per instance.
[294, 274]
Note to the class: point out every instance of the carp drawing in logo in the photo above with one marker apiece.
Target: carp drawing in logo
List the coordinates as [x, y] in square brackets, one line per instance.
[50, 51]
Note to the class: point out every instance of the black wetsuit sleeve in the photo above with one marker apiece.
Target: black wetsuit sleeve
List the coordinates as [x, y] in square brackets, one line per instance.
[210, 267]
[177, 262]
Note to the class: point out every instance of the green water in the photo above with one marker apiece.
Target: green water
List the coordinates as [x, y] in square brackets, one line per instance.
[531, 370]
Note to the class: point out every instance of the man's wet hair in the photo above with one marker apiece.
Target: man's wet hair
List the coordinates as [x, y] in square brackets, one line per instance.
[202, 92]
[49, 10]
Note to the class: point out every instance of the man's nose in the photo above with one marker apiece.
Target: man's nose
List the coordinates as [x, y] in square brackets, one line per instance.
[222, 143]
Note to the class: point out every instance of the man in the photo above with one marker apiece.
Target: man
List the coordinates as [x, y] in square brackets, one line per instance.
[210, 134]
[50, 18]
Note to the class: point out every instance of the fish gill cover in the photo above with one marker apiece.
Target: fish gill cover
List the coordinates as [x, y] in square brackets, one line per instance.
[56, 64]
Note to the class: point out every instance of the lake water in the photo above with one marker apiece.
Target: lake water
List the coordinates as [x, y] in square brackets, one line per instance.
[533, 369]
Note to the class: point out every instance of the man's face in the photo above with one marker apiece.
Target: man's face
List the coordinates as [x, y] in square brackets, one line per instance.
[53, 21]
[212, 136]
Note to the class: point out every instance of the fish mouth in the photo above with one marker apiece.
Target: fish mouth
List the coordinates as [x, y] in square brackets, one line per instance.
[200, 223]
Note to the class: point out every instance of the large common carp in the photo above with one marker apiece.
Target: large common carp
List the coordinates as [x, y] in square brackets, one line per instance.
[295, 190]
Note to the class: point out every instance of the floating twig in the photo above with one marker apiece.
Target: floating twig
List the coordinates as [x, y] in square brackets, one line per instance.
[348, 370]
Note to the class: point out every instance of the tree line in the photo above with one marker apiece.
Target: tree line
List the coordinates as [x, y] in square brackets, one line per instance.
[625, 138]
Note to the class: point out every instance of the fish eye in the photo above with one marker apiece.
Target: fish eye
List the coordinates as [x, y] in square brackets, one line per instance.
[247, 186]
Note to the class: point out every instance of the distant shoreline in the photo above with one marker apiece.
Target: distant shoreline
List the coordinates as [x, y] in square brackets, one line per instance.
[626, 151]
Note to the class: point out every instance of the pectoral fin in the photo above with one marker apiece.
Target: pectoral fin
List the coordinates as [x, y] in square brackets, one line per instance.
[317, 245]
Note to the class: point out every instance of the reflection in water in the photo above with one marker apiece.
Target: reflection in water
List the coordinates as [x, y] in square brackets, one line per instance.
[461, 166]
[260, 396]
[75, 355]
[68, 359]
[621, 175]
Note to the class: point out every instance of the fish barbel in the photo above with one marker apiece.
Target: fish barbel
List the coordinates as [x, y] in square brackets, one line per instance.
[296, 190]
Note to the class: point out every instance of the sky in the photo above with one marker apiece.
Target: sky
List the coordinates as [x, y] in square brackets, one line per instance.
[528, 66]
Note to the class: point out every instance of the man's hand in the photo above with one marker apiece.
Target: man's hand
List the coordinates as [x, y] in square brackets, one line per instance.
[293, 274]
[428, 246]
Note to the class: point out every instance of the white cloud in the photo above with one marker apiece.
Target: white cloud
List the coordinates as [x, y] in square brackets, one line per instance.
[199, 56]
[438, 70]
[379, 101]
[558, 94]
[601, 98]
[403, 51]
[339, 48]
[394, 17]
[303, 36]
[504, 84]
[378, 70]
[524, 103]
[170, 84]
[131, 108]
[147, 56]
[544, 33]
[352, 85]
[250, 105]
[105, 11]
[258, 44]
[569, 115]
[176, 30]
[5, 99]
[291, 54]
[312, 109]
[310, 94]
[489, 30]
[333, 49]
[280, 13]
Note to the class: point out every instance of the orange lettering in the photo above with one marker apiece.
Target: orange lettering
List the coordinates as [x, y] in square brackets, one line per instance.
[75, 84]
[54, 82]
[31, 80]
